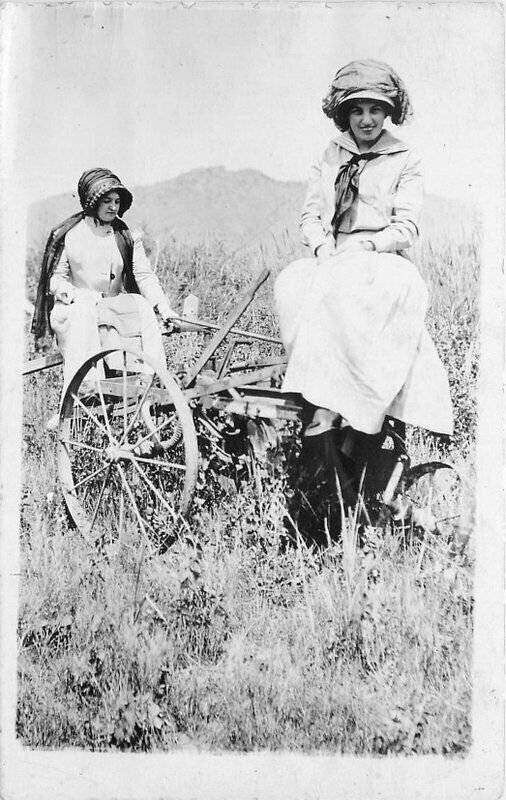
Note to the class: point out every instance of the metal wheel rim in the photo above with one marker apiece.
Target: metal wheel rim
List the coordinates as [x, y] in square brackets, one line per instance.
[182, 413]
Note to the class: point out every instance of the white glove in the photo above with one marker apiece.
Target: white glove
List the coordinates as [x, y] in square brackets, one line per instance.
[325, 251]
[66, 295]
[166, 311]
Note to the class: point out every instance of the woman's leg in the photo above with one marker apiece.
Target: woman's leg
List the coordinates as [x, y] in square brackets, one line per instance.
[152, 342]
[76, 330]
[351, 327]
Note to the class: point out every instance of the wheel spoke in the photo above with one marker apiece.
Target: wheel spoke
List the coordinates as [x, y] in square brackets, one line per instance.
[100, 494]
[125, 408]
[163, 464]
[75, 443]
[155, 491]
[104, 409]
[121, 514]
[89, 477]
[91, 416]
[153, 432]
[138, 410]
[134, 506]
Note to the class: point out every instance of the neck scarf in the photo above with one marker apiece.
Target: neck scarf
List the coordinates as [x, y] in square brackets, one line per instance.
[346, 187]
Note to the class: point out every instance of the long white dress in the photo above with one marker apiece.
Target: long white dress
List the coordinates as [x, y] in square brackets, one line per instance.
[353, 325]
[90, 273]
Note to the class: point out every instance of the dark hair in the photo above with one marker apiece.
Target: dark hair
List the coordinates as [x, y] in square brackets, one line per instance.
[341, 116]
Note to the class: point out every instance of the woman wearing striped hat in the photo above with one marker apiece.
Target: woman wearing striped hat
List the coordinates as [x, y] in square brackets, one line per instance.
[92, 259]
[352, 316]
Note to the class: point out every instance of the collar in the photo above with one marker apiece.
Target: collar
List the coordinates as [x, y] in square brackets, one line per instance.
[100, 230]
[387, 143]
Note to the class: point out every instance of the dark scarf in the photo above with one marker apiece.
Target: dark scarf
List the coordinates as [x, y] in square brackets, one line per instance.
[346, 187]
[52, 254]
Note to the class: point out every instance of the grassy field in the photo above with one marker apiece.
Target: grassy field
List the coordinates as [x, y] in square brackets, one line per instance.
[230, 639]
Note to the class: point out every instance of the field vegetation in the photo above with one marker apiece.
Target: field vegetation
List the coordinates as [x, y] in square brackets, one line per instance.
[234, 638]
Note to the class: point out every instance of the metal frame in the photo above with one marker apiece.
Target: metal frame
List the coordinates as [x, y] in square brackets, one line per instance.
[247, 389]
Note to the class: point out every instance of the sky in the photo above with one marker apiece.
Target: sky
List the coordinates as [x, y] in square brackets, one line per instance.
[153, 90]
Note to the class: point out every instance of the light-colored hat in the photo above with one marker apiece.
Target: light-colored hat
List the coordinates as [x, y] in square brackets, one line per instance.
[370, 80]
[366, 94]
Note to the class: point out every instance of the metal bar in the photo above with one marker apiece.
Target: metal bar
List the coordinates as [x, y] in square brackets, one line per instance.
[39, 364]
[226, 361]
[274, 361]
[226, 328]
[186, 325]
[233, 382]
[254, 408]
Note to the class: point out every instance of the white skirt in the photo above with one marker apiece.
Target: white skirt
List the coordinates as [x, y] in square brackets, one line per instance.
[78, 336]
[353, 328]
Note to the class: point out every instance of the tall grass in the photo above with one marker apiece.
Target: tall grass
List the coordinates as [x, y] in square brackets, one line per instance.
[233, 638]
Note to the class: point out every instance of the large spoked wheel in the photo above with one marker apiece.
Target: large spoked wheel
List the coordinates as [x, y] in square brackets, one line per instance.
[128, 455]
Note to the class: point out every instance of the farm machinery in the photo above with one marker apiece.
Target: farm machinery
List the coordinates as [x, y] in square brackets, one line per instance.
[132, 434]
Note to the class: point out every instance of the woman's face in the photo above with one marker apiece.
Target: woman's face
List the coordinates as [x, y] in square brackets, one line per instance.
[108, 207]
[366, 121]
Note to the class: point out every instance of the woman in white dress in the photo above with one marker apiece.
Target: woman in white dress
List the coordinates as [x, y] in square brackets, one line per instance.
[352, 316]
[93, 264]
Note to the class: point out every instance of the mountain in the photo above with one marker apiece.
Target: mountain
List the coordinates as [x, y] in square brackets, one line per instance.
[243, 208]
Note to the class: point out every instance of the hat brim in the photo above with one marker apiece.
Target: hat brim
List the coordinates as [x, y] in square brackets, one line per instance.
[367, 95]
[104, 187]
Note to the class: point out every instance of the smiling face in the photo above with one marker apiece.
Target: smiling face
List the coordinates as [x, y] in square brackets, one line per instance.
[366, 119]
[108, 207]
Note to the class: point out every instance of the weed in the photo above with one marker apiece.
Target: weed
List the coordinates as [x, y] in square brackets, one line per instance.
[231, 639]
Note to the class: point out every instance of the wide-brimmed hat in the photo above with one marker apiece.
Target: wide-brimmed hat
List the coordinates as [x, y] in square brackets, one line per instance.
[367, 94]
[95, 183]
[367, 79]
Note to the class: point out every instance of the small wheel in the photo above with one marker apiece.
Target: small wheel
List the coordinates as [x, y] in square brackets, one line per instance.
[127, 450]
[429, 498]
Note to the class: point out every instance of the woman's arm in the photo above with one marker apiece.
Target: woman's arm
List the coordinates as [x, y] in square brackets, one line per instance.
[147, 281]
[404, 227]
[60, 285]
[312, 229]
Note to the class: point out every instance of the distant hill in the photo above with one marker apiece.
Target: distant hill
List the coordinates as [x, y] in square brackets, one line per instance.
[242, 208]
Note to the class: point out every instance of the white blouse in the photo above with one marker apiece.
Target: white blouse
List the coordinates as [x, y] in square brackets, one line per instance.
[390, 199]
[91, 260]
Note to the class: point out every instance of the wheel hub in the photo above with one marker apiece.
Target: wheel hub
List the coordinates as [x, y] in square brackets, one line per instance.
[115, 453]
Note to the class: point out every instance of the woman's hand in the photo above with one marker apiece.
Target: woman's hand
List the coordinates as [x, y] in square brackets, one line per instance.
[167, 313]
[359, 244]
[356, 245]
[324, 251]
[66, 295]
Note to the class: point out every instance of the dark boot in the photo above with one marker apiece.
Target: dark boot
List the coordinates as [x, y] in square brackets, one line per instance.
[324, 477]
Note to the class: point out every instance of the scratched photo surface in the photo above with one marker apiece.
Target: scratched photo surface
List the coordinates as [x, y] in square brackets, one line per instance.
[186, 578]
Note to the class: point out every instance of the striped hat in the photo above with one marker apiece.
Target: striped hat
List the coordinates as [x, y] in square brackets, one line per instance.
[95, 183]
